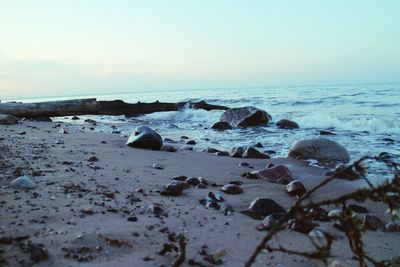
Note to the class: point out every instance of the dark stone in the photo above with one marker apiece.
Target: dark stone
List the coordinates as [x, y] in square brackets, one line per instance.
[321, 149]
[221, 126]
[168, 148]
[326, 132]
[169, 140]
[187, 148]
[272, 220]
[132, 219]
[245, 117]
[38, 251]
[295, 188]
[258, 144]
[302, 226]
[90, 121]
[6, 240]
[158, 166]
[244, 164]
[75, 117]
[193, 181]
[232, 189]
[287, 124]
[236, 152]
[372, 222]
[211, 150]
[174, 188]
[93, 159]
[8, 119]
[276, 174]
[190, 142]
[253, 153]
[221, 154]
[145, 137]
[344, 172]
[357, 208]
[390, 227]
[261, 207]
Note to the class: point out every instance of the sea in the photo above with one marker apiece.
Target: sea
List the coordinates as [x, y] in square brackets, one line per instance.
[364, 117]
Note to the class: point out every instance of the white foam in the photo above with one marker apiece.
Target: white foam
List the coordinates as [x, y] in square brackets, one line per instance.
[360, 123]
[185, 116]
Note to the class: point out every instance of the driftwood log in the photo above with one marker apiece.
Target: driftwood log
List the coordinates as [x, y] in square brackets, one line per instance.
[91, 106]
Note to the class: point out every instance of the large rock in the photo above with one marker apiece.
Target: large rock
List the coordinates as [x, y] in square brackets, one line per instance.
[23, 183]
[245, 117]
[287, 124]
[8, 119]
[145, 137]
[320, 149]
[261, 207]
[236, 152]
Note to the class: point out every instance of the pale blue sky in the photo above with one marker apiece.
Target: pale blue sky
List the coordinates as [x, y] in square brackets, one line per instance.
[57, 47]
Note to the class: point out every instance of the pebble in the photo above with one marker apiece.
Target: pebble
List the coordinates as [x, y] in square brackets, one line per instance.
[23, 183]
[372, 222]
[392, 227]
[191, 142]
[157, 166]
[261, 207]
[179, 178]
[93, 159]
[232, 189]
[295, 188]
[193, 181]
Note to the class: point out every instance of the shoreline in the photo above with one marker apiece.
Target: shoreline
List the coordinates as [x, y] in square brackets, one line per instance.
[61, 220]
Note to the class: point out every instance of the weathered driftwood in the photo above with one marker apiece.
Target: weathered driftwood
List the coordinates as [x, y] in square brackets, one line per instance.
[91, 106]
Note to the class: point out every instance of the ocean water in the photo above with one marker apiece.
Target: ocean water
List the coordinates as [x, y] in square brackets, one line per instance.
[362, 116]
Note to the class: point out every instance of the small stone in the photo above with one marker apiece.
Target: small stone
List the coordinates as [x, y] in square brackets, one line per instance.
[86, 210]
[357, 208]
[38, 251]
[295, 188]
[155, 209]
[184, 137]
[326, 132]
[272, 220]
[109, 194]
[22, 133]
[6, 240]
[261, 207]
[59, 142]
[132, 219]
[253, 153]
[287, 124]
[244, 164]
[334, 214]
[93, 159]
[259, 145]
[232, 189]
[193, 181]
[392, 227]
[75, 117]
[191, 142]
[302, 226]
[23, 183]
[372, 222]
[68, 185]
[174, 188]
[90, 121]
[63, 131]
[221, 126]
[168, 148]
[187, 148]
[157, 166]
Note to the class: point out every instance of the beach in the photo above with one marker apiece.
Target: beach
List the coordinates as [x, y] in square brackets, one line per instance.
[108, 210]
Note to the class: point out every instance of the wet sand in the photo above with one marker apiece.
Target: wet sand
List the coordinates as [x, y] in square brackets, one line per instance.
[74, 224]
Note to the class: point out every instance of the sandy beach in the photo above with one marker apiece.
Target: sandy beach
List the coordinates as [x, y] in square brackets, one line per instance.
[113, 215]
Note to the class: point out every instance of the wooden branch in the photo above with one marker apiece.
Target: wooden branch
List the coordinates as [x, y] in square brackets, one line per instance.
[91, 106]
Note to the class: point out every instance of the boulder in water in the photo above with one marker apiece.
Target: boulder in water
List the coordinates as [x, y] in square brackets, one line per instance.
[8, 119]
[221, 126]
[245, 117]
[145, 137]
[287, 124]
[321, 149]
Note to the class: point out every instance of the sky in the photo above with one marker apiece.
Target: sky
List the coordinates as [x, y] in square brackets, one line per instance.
[64, 47]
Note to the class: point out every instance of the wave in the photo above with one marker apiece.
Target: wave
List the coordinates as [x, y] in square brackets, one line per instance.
[192, 116]
[355, 124]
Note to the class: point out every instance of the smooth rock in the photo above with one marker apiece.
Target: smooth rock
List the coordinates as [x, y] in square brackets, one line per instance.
[145, 137]
[8, 119]
[93, 159]
[22, 183]
[236, 152]
[179, 178]
[193, 181]
[190, 142]
[232, 189]
[75, 117]
[276, 174]
[392, 226]
[221, 126]
[90, 121]
[321, 149]
[262, 207]
[287, 124]
[372, 222]
[253, 153]
[296, 188]
[302, 226]
[157, 166]
[272, 220]
[174, 188]
[357, 208]
[168, 148]
[245, 117]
